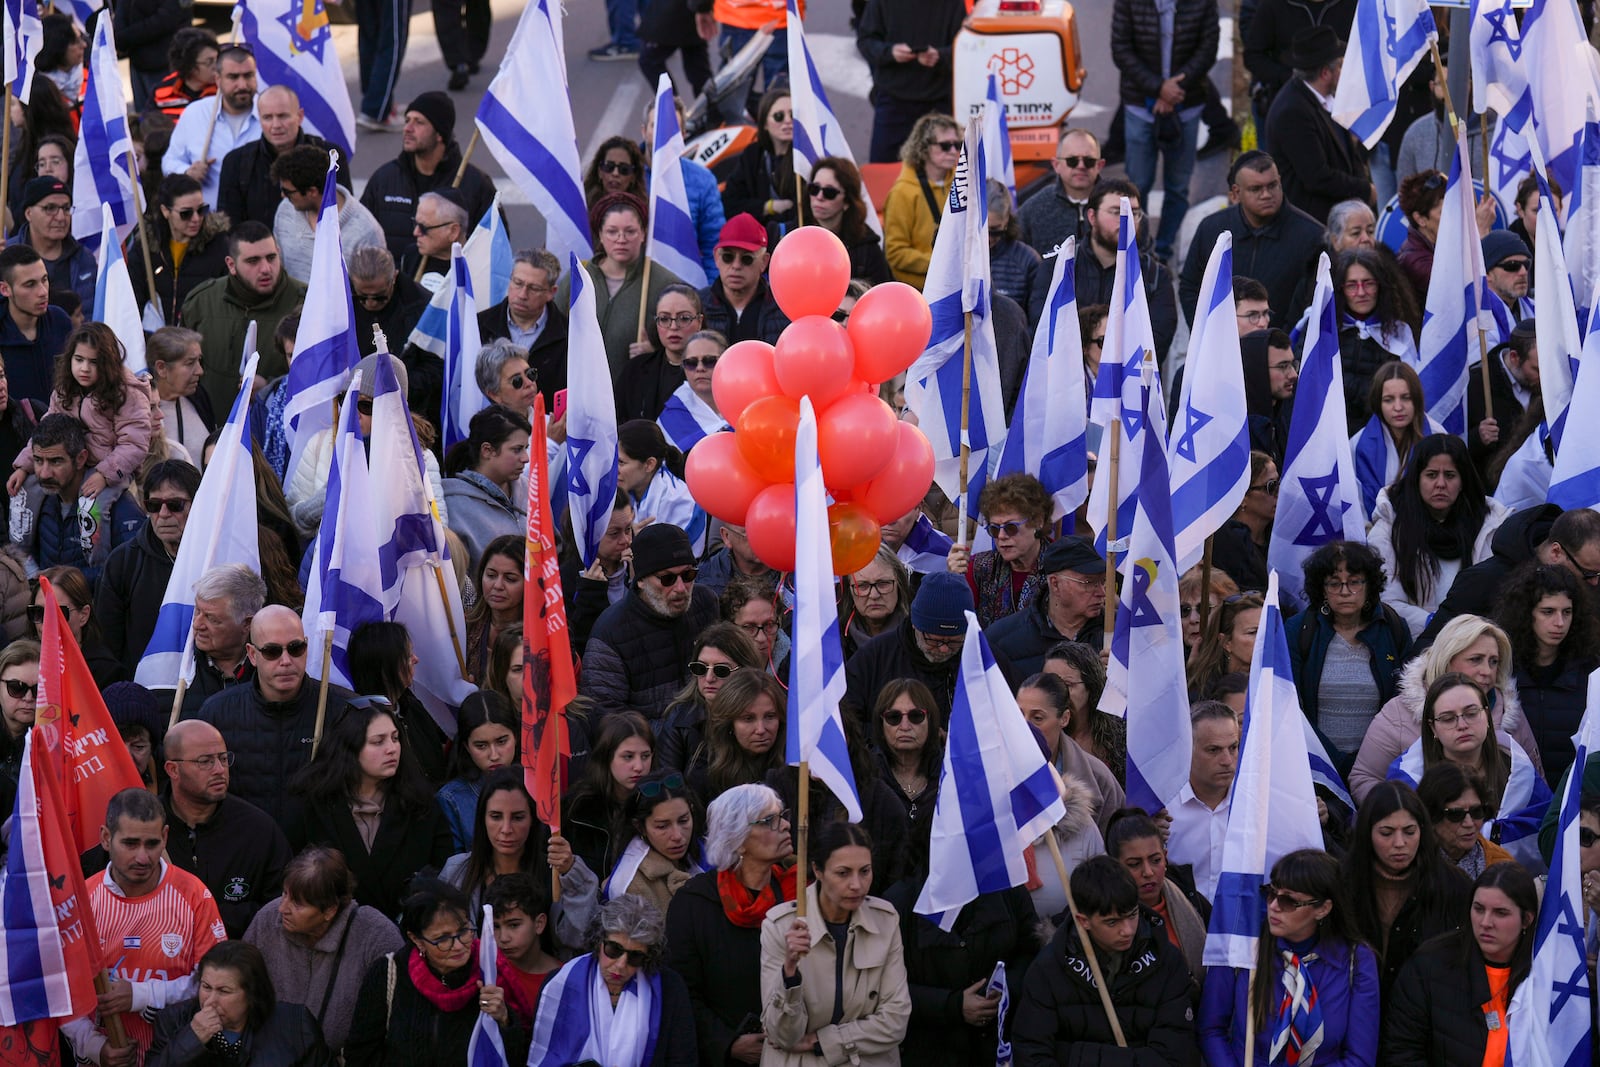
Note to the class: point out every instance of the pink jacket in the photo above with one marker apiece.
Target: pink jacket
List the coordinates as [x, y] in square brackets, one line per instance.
[1399, 723]
[118, 444]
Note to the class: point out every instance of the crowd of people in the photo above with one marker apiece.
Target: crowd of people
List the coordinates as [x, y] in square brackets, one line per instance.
[278, 902]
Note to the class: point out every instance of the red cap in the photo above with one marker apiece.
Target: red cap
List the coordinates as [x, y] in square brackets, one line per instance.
[743, 231]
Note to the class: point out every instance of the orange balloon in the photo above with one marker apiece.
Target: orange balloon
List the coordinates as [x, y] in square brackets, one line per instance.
[813, 358]
[769, 526]
[721, 479]
[889, 327]
[855, 536]
[856, 437]
[904, 480]
[766, 432]
[809, 272]
[742, 376]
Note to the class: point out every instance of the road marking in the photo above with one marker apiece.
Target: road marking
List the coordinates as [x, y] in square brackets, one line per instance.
[623, 115]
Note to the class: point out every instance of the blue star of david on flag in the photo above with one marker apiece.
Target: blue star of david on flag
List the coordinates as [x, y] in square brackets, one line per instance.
[1144, 576]
[1195, 421]
[1497, 19]
[1324, 525]
[313, 16]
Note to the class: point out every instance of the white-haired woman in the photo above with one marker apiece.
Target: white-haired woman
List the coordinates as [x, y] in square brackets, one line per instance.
[617, 1004]
[714, 921]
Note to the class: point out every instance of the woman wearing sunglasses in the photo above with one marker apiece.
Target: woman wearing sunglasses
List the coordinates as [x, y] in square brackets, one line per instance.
[833, 201]
[1016, 513]
[188, 245]
[656, 371]
[762, 183]
[910, 750]
[1555, 645]
[916, 201]
[744, 736]
[690, 414]
[721, 650]
[419, 1006]
[1399, 420]
[618, 1004]
[617, 167]
[1314, 977]
[77, 609]
[1457, 802]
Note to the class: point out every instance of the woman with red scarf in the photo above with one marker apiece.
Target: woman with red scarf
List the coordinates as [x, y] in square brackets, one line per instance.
[714, 921]
[418, 1006]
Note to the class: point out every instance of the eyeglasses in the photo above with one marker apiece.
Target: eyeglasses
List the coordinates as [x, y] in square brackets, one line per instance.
[696, 362]
[176, 505]
[1348, 585]
[779, 116]
[1284, 367]
[417, 226]
[827, 192]
[1361, 285]
[1477, 813]
[274, 651]
[364, 406]
[614, 951]
[1587, 837]
[1065, 577]
[1258, 315]
[946, 146]
[773, 821]
[1589, 576]
[1269, 488]
[1010, 529]
[288, 190]
[682, 318]
[624, 170]
[36, 614]
[756, 629]
[995, 235]
[1465, 717]
[462, 936]
[1286, 900]
[373, 298]
[16, 690]
[1513, 266]
[631, 233]
[700, 668]
[729, 256]
[1078, 162]
[1097, 342]
[881, 587]
[187, 213]
[651, 790]
[1185, 610]
[54, 209]
[894, 716]
[668, 579]
[209, 762]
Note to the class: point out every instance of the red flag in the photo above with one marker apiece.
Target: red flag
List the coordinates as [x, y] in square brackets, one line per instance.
[85, 749]
[548, 684]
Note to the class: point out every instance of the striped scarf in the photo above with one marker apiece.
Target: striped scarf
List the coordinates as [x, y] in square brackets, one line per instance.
[1297, 1033]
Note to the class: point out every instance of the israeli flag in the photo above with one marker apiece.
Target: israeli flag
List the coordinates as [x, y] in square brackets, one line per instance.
[1555, 314]
[24, 38]
[294, 46]
[957, 283]
[591, 423]
[816, 662]
[222, 529]
[345, 578]
[673, 241]
[1117, 402]
[1499, 82]
[489, 262]
[1387, 41]
[1274, 808]
[687, 420]
[325, 349]
[1048, 436]
[997, 795]
[1455, 295]
[1575, 481]
[462, 397]
[1209, 452]
[818, 133]
[1581, 242]
[102, 167]
[1549, 1020]
[485, 1048]
[525, 120]
[997, 140]
[1319, 499]
[926, 548]
[1154, 698]
[114, 302]
[1564, 79]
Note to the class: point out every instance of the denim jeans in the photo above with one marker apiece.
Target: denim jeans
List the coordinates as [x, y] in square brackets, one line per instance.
[381, 30]
[622, 19]
[1177, 166]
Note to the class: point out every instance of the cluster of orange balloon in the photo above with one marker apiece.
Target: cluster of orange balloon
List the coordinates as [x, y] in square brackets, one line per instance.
[876, 467]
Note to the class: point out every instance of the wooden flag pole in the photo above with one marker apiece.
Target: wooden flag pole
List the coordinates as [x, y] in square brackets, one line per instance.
[322, 691]
[802, 836]
[1250, 1020]
[144, 237]
[1205, 583]
[1114, 431]
[177, 701]
[644, 295]
[1072, 917]
[461, 171]
[5, 157]
[966, 413]
[116, 1036]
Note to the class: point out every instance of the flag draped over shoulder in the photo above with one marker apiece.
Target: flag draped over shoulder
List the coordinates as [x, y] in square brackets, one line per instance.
[102, 171]
[294, 46]
[1450, 341]
[548, 684]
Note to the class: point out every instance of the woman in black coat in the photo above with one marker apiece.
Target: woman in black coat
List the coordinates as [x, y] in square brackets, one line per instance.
[180, 215]
[365, 796]
[592, 814]
[763, 183]
[236, 1018]
[1376, 315]
[382, 660]
[1555, 644]
[834, 201]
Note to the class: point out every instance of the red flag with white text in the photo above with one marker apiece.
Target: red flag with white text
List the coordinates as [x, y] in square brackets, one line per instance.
[548, 681]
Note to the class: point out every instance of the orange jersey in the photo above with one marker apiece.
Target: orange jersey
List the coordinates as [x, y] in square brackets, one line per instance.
[753, 14]
[160, 935]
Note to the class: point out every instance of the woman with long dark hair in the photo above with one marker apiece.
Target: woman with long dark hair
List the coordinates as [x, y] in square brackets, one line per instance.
[1227, 643]
[910, 750]
[1134, 840]
[1315, 981]
[488, 735]
[1548, 614]
[593, 816]
[236, 1016]
[668, 844]
[481, 474]
[721, 651]
[650, 471]
[499, 605]
[383, 661]
[76, 601]
[1399, 420]
[744, 734]
[763, 180]
[1377, 322]
[833, 201]
[1458, 802]
[617, 167]
[1432, 522]
[188, 245]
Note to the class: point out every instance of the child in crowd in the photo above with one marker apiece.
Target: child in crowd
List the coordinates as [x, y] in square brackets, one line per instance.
[522, 930]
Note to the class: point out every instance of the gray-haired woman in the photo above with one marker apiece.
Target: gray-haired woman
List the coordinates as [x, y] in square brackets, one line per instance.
[649, 1022]
[714, 921]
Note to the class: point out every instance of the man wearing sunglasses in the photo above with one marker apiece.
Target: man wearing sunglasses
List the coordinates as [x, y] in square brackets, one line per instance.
[19, 698]
[530, 318]
[382, 297]
[47, 209]
[739, 304]
[269, 723]
[636, 653]
[441, 222]
[134, 580]
[50, 521]
[1072, 609]
[1052, 215]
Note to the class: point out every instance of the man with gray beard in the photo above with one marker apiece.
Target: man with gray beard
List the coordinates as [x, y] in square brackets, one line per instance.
[638, 653]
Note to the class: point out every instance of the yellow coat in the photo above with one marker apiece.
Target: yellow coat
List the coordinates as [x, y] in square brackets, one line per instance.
[909, 226]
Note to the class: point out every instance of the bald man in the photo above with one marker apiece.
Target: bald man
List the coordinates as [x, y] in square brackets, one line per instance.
[268, 724]
[229, 844]
[246, 189]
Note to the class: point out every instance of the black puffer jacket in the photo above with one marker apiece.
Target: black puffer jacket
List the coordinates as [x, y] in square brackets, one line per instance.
[247, 190]
[719, 316]
[994, 928]
[1060, 1019]
[206, 258]
[270, 741]
[392, 192]
[1136, 48]
[129, 595]
[636, 659]
[1553, 701]
[1431, 1016]
[894, 654]
[406, 1030]
[1023, 637]
[289, 1038]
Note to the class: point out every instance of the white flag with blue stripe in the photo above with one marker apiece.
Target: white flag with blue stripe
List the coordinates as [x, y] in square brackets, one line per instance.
[1550, 1014]
[591, 422]
[346, 582]
[1555, 313]
[1209, 451]
[997, 140]
[325, 349]
[1449, 341]
[222, 529]
[114, 302]
[996, 792]
[525, 120]
[101, 166]
[1049, 426]
[1154, 697]
[1499, 82]
[817, 130]
[958, 282]
[673, 241]
[489, 261]
[1581, 241]
[1575, 477]
[486, 1048]
[294, 47]
[1387, 41]
[462, 397]
[1564, 79]
[24, 37]
[1273, 810]
[1319, 499]
[816, 659]
[926, 548]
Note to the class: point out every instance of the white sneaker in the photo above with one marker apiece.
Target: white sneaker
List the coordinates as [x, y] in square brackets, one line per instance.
[393, 124]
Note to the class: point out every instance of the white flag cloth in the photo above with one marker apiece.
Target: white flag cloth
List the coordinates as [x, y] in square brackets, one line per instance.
[1564, 79]
[1581, 241]
[674, 243]
[1387, 41]
[114, 302]
[1555, 314]
[591, 422]
[101, 167]
[1449, 342]
[294, 47]
[1575, 478]
[817, 130]
[489, 260]
[24, 37]
[486, 1048]
[997, 140]
[462, 397]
